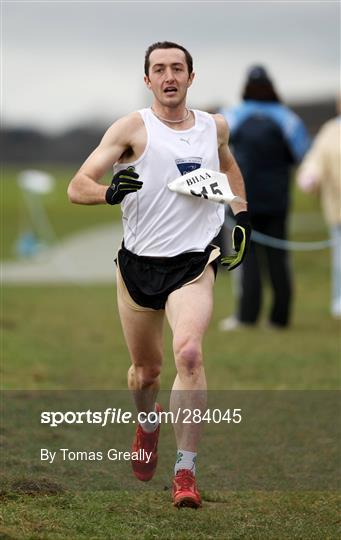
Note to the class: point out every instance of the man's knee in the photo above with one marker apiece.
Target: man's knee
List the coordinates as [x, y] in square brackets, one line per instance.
[188, 356]
[146, 376]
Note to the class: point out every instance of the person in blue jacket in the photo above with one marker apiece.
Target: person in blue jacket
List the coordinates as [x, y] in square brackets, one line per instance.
[267, 139]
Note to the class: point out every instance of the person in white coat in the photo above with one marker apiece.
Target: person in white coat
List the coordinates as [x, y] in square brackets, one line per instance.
[320, 172]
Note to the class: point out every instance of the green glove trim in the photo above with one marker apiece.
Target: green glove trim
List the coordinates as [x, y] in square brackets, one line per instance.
[127, 177]
[232, 261]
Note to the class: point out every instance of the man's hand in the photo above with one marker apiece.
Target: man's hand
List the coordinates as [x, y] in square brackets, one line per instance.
[240, 241]
[123, 183]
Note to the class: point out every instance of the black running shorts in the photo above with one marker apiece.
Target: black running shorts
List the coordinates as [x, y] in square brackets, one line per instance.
[150, 280]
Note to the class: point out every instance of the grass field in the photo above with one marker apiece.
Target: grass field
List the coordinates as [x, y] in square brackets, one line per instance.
[69, 338]
[65, 218]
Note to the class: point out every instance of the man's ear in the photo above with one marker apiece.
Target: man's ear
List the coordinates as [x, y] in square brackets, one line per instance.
[190, 79]
[147, 81]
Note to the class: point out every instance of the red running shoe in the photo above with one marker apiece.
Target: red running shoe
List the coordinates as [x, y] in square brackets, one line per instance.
[185, 491]
[145, 443]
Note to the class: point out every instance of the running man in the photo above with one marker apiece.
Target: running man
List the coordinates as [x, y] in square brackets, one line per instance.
[166, 265]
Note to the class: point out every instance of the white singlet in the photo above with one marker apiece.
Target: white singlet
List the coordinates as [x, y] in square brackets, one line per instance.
[156, 221]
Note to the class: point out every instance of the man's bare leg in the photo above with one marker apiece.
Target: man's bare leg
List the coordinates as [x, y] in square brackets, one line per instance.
[189, 311]
[143, 332]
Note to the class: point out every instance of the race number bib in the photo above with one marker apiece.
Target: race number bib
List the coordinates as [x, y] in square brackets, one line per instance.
[211, 185]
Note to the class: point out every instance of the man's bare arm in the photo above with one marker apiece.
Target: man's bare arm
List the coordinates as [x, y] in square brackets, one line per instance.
[228, 164]
[85, 186]
[241, 232]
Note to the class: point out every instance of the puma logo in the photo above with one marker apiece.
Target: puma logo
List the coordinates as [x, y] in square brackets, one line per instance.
[185, 140]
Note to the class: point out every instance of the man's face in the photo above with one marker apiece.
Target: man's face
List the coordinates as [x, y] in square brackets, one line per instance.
[168, 76]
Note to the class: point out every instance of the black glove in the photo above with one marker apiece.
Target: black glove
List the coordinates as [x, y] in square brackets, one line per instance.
[123, 183]
[241, 235]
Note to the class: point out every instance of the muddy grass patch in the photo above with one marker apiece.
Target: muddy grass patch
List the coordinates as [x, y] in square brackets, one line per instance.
[36, 487]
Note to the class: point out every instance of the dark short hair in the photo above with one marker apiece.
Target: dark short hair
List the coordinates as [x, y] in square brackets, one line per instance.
[167, 45]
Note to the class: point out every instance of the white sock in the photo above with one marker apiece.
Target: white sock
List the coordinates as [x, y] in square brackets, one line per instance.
[185, 460]
[148, 426]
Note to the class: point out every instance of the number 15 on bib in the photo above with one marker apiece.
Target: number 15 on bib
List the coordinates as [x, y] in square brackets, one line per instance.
[205, 183]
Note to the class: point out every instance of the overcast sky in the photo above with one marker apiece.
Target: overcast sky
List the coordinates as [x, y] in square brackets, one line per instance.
[66, 62]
